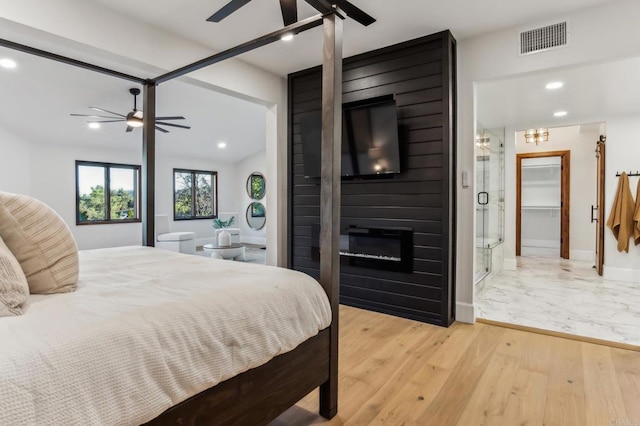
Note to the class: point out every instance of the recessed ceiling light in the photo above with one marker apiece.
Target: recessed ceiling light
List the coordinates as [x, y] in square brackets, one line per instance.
[287, 37]
[222, 145]
[560, 114]
[94, 125]
[8, 63]
[554, 85]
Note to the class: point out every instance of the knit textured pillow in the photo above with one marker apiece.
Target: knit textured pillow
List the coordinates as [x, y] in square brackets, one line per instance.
[42, 243]
[14, 290]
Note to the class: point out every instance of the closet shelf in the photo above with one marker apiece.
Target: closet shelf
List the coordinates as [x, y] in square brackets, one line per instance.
[539, 182]
[541, 207]
[542, 166]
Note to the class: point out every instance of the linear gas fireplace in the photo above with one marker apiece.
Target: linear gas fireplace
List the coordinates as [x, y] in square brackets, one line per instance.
[379, 248]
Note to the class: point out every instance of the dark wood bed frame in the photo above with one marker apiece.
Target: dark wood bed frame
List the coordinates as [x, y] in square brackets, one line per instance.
[259, 395]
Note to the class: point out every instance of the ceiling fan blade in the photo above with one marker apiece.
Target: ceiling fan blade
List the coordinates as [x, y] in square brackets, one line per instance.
[173, 125]
[321, 6]
[289, 11]
[355, 12]
[107, 121]
[178, 117]
[109, 112]
[227, 10]
[129, 129]
[93, 116]
[162, 130]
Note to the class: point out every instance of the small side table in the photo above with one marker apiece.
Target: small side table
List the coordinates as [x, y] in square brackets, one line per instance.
[234, 251]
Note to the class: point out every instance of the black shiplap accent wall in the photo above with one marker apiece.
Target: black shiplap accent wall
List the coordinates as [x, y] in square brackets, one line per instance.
[421, 76]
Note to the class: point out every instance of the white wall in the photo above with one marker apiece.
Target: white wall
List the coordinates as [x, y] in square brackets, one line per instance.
[14, 163]
[164, 192]
[622, 154]
[254, 163]
[52, 180]
[104, 33]
[48, 173]
[582, 232]
[598, 34]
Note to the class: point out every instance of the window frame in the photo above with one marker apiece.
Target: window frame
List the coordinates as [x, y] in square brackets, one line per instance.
[214, 190]
[107, 189]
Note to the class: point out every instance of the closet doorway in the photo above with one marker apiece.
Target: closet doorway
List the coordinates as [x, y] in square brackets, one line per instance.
[542, 202]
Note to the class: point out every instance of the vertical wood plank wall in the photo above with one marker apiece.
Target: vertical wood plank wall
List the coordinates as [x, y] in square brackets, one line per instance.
[421, 75]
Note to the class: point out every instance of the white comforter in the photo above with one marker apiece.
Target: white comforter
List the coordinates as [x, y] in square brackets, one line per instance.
[147, 329]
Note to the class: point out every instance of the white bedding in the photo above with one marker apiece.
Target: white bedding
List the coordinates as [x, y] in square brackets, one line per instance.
[147, 329]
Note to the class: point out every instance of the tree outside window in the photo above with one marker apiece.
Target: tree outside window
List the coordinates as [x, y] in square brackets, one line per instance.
[195, 194]
[107, 193]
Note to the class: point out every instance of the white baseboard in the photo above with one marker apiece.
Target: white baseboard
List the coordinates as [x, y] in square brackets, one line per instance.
[622, 274]
[465, 313]
[584, 255]
[510, 264]
[254, 240]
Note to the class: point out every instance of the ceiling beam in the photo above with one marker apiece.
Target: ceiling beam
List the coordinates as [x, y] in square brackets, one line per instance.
[69, 61]
[298, 27]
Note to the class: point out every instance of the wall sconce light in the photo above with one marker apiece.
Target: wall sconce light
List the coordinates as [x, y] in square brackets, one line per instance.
[483, 141]
[536, 135]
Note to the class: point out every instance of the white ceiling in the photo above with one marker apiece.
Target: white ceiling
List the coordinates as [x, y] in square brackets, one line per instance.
[216, 117]
[397, 21]
[39, 95]
[590, 94]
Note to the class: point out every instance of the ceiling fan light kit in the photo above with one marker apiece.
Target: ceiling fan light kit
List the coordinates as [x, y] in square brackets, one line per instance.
[134, 118]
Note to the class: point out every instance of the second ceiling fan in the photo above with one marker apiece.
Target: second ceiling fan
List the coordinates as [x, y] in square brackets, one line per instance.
[133, 118]
[289, 10]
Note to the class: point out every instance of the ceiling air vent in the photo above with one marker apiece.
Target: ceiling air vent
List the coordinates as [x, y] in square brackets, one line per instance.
[545, 38]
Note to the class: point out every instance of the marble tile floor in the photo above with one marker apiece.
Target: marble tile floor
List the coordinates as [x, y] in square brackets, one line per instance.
[565, 296]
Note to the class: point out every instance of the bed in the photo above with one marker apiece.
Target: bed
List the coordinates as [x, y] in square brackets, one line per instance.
[157, 337]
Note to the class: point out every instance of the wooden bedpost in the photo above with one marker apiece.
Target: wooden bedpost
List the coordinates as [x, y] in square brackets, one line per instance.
[330, 195]
[149, 165]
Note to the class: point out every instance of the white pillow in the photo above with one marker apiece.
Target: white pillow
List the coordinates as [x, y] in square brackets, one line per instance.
[14, 290]
[42, 243]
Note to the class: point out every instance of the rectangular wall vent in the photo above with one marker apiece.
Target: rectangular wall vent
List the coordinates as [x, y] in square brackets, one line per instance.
[545, 38]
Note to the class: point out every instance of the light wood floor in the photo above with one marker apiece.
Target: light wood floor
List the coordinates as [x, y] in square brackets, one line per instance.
[397, 371]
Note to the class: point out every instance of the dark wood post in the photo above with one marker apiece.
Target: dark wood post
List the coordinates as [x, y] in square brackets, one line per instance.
[149, 165]
[330, 195]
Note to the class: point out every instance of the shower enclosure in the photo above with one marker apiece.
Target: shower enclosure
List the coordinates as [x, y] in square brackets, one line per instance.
[489, 197]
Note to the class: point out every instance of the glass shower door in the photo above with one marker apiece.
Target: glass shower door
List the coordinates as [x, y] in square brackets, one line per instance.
[489, 197]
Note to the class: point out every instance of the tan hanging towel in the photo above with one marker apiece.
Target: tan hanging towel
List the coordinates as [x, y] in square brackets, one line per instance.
[621, 217]
[636, 217]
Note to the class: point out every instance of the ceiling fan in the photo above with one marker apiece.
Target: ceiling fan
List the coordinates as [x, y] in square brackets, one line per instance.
[290, 10]
[133, 118]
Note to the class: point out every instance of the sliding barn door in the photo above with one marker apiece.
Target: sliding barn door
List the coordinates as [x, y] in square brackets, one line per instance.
[599, 209]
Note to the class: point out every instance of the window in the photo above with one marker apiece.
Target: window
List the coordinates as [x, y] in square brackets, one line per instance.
[195, 194]
[107, 193]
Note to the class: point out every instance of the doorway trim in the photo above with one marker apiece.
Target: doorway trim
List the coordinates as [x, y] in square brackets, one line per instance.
[565, 188]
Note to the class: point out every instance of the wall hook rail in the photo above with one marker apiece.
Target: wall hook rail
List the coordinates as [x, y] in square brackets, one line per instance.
[630, 174]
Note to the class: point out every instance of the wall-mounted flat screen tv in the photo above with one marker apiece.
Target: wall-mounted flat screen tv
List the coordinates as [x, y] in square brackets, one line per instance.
[370, 144]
